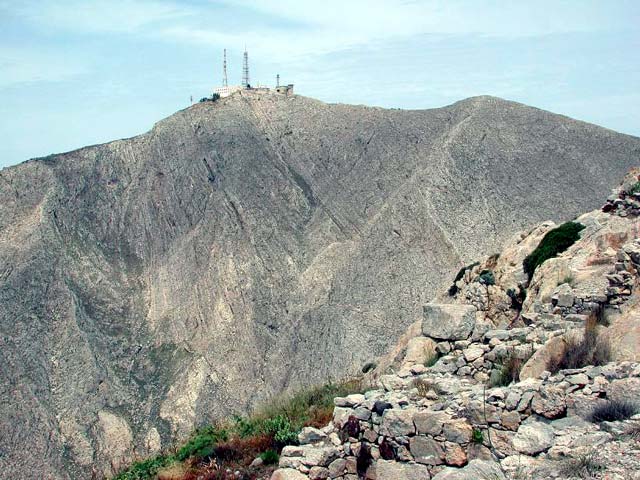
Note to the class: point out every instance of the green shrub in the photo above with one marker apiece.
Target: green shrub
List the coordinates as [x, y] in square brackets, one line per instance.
[146, 469]
[202, 443]
[635, 188]
[270, 457]
[487, 277]
[477, 436]
[553, 243]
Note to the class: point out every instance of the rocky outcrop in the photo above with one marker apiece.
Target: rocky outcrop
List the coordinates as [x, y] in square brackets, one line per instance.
[250, 245]
[488, 406]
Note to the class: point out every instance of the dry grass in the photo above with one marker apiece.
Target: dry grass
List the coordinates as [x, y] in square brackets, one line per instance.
[591, 349]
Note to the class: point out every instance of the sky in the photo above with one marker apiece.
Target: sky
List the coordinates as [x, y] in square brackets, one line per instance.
[81, 72]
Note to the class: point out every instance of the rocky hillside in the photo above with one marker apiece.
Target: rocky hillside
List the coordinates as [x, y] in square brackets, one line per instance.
[517, 376]
[247, 246]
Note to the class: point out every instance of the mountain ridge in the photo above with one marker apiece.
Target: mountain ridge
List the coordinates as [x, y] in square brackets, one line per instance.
[249, 245]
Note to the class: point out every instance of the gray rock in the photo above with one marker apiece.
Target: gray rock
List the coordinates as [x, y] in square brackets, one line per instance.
[533, 438]
[397, 422]
[389, 470]
[475, 470]
[448, 321]
[426, 450]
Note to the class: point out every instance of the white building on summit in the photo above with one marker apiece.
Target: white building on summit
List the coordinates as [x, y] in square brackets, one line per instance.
[225, 90]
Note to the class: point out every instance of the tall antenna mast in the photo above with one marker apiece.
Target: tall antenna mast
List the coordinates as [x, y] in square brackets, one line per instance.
[245, 69]
[277, 80]
[224, 69]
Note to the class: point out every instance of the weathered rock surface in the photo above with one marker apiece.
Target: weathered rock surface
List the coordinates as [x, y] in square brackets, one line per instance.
[249, 245]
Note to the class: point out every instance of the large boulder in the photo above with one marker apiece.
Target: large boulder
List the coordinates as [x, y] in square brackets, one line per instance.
[533, 438]
[448, 322]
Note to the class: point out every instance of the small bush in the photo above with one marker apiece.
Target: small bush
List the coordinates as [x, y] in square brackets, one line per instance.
[635, 188]
[487, 278]
[591, 349]
[613, 410]
[584, 466]
[477, 436]
[202, 443]
[270, 457]
[553, 243]
[431, 360]
[146, 469]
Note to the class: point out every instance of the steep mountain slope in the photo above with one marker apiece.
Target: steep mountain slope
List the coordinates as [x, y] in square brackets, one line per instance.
[244, 246]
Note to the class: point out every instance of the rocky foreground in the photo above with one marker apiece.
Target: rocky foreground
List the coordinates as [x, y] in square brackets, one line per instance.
[476, 390]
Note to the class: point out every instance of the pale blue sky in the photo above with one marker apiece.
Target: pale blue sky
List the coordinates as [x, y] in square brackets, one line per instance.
[79, 72]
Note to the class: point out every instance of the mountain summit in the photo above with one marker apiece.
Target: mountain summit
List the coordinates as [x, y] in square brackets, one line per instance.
[250, 245]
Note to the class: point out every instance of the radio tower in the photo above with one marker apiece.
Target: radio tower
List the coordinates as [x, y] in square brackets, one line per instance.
[224, 69]
[245, 69]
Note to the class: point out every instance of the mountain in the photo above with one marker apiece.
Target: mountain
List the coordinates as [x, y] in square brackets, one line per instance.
[250, 245]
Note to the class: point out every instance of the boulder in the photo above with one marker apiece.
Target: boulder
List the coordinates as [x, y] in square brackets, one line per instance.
[625, 389]
[288, 474]
[397, 422]
[552, 350]
[388, 470]
[448, 322]
[426, 450]
[430, 422]
[476, 470]
[310, 435]
[550, 402]
[533, 438]
[420, 350]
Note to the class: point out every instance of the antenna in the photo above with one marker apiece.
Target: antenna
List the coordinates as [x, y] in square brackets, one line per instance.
[277, 80]
[224, 69]
[245, 69]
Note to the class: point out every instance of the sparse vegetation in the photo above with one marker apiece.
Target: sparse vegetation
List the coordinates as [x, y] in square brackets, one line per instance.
[553, 243]
[590, 349]
[477, 436]
[242, 439]
[613, 410]
[635, 188]
[431, 360]
[569, 279]
[584, 466]
[146, 469]
[509, 371]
